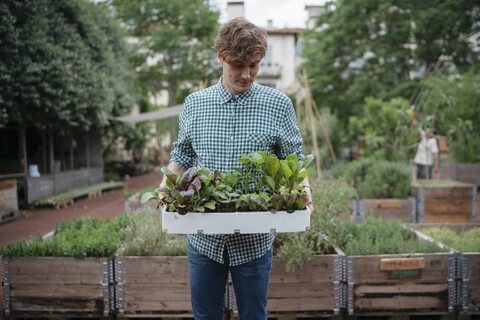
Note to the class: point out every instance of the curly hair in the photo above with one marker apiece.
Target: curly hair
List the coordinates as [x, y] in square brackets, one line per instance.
[239, 40]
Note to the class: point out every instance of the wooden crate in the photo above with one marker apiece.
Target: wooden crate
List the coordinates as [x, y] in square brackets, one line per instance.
[388, 209]
[56, 287]
[314, 290]
[152, 287]
[444, 201]
[406, 283]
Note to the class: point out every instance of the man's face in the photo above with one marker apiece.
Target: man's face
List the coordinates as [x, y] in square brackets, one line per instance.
[239, 78]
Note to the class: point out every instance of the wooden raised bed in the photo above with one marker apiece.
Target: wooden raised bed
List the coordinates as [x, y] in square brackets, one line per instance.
[56, 287]
[407, 283]
[314, 290]
[152, 286]
[445, 201]
[389, 209]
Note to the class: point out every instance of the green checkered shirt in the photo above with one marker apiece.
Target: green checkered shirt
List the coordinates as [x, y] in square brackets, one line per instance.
[216, 128]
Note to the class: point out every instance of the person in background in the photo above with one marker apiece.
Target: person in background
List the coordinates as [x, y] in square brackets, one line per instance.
[217, 125]
[427, 153]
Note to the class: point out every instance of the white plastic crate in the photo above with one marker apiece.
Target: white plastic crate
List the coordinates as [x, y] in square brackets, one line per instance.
[235, 222]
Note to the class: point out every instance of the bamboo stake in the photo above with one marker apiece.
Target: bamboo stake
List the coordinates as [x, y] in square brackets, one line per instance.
[309, 114]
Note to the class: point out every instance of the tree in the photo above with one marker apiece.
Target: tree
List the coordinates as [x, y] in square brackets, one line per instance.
[175, 40]
[62, 65]
[381, 48]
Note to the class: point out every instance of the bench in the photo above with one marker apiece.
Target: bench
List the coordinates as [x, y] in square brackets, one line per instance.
[66, 198]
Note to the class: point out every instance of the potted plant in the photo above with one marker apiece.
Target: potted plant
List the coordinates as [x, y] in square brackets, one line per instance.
[267, 188]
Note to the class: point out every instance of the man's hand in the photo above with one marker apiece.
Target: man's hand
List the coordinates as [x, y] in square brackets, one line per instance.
[308, 190]
[175, 168]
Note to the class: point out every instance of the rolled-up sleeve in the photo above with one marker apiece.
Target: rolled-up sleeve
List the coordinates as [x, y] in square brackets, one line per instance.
[183, 152]
[290, 138]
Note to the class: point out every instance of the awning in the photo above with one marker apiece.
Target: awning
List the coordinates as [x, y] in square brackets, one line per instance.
[152, 115]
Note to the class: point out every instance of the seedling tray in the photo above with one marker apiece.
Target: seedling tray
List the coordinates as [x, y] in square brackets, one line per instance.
[235, 222]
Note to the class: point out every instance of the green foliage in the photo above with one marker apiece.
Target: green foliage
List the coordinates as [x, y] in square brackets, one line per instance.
[364, 48]
[465, 241]
[376, 178]
[386, 126]
[77, 238]
[201, 191]
[62, 65]
[144, 237]
[193, 191]
[454, 103]
[330, 200]
[377, 236]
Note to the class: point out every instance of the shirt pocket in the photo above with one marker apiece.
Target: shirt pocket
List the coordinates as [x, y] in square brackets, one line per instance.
[258, 142]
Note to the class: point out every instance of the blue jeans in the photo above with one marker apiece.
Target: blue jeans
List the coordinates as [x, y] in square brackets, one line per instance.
[208, 279]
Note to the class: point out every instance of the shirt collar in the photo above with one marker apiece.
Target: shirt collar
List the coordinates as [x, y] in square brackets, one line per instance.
[242, 98]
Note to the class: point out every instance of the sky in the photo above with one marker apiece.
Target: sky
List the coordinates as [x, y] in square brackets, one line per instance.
[284, 13]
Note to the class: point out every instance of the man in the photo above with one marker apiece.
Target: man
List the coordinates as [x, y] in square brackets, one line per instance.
[217, 125]
[427, 153]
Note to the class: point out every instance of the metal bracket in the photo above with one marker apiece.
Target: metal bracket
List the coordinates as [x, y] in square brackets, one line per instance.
[6, 287]
[119, 290]
[106, 287]
[452, 282]
[420, 205]
[350, 284]
[474, 205]
[463, 274]
[338, 284]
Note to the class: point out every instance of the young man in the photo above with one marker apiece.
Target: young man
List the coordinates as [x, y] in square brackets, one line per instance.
[217, 125]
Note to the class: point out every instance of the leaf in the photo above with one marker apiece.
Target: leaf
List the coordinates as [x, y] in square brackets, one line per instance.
[308, 160]
[286, 169]
[148, 196]
[271, 183]
[170, 175]
[178, 196]
[210, 205]
[188, 175]
[170, 184]
[196, 184]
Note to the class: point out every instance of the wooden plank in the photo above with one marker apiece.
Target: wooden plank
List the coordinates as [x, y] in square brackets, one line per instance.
[23, 305]
[301, 304]
[56, 291]
[447, 217]
[367, 268]
[401, 288]
[319, 269]
[473, 266]
[464, 192]
[49, 265]
[55, 278]
[164, 292]
[158, 265]
[400, 302]
[473, 295]
[448, 206]
[152, 306]
[300, 290]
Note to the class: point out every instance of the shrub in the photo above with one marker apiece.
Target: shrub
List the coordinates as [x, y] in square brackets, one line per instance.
[330, 199]
[90, 237]
[465, 241]
[377, 236]
[375, 179]
[144, 236]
